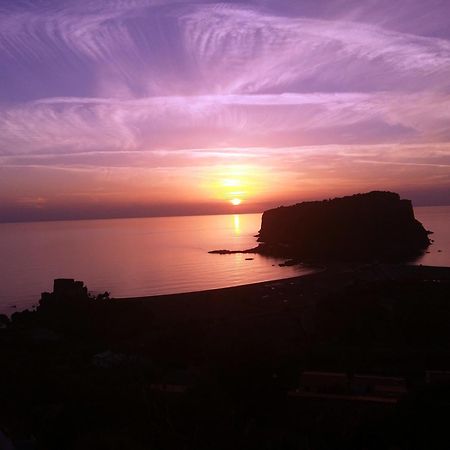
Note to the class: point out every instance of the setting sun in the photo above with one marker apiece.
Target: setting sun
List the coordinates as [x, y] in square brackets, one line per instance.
[236, 184]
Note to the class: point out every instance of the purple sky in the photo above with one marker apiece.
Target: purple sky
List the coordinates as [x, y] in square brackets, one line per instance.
[147, 107]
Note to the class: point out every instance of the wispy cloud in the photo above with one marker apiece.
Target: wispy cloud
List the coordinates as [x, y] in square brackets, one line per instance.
[81, 124]
[141, 48]
[114, 85]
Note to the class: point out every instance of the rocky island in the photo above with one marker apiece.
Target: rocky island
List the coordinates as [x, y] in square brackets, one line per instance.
[374, 226]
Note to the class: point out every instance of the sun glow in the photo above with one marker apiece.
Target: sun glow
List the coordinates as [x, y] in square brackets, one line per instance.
[231, 182]
[236, 184]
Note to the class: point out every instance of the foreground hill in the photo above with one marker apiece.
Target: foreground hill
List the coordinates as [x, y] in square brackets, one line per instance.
[220, 369]
[371, 226]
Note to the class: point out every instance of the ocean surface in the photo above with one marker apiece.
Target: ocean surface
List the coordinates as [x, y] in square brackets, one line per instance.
[149, 256]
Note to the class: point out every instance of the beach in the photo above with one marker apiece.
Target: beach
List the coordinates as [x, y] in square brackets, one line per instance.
[275, 316]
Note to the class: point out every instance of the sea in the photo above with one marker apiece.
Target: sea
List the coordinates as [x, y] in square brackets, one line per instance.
[152, 256]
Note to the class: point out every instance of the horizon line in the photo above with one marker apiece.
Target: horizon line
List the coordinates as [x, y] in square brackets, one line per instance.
[167, 215]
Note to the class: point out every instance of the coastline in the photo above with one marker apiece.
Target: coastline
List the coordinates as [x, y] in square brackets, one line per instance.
[325, 271]
[279, 295]
[146, 271]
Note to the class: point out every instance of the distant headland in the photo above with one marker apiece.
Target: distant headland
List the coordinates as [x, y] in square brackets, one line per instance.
[371, 226]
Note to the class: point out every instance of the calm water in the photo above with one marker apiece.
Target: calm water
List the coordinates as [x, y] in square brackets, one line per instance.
[131, 257]
[436, 219]
[136, 257]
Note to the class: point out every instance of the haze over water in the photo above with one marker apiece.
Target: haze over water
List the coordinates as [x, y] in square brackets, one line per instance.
[150, 256]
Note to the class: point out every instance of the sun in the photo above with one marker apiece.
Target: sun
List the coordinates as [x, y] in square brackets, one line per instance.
[234, 184]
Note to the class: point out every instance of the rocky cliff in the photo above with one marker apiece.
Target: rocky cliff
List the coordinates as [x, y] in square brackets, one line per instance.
[371, 226]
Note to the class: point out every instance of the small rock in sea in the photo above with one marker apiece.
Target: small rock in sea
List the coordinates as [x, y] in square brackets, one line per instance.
[439, 251]
[220, 252]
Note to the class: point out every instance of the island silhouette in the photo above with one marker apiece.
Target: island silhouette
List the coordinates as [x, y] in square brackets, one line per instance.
[377, 225]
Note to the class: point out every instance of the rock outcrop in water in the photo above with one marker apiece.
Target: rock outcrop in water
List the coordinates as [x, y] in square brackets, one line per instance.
[364, 227]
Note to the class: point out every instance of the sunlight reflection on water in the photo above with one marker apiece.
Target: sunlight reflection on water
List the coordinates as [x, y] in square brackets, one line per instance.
[131, 257]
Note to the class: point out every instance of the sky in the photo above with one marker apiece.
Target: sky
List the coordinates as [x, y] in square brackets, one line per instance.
[123, 108]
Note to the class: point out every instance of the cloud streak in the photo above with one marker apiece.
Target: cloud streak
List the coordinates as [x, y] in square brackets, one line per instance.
[79, 124]
[90, 86]
[142, 48]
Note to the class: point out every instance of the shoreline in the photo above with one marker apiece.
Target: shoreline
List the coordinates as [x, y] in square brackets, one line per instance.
[330, 274]
[278, 297]
[330, 270]
[314, 271]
